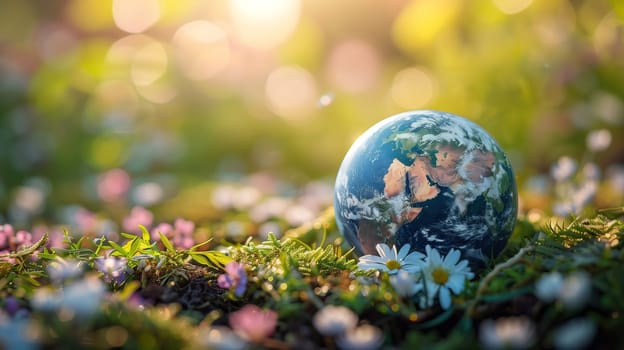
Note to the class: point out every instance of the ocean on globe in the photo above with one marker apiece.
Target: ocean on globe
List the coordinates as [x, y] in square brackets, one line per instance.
[427, 178]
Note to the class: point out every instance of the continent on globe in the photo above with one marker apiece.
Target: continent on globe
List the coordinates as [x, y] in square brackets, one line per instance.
[427, 177]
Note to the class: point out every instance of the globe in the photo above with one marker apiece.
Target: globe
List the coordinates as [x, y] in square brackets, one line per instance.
[427, 178]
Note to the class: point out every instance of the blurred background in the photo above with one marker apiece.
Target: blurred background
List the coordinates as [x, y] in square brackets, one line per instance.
[196, 108]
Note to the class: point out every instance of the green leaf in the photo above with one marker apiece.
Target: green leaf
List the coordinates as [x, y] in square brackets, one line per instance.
[200, 244]
[99, 246]
[200, 259]
[45, 255]
[134, 247]
[127, 235]
[118, 248]
[167, 243]
[213, 258]
[145, 233]
[128, 289]
[439, 319]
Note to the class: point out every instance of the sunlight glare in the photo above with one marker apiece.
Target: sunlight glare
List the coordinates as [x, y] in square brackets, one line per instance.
[264, 24]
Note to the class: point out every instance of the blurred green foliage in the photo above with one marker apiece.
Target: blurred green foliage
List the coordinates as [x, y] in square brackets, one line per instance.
[194, 90]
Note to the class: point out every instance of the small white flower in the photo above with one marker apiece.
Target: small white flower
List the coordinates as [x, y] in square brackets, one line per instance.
[405, 284]
[507, 333]
[46, 300]
[574, 334]
[443, 275]
[390, 261]
[84, 297]
[61, 270]
[333, 320]
[576, 290]
[222, 338]
[598, 140]
[364, 337]
[573, 291]
[548, 286]
[18, 333]
[563, 169]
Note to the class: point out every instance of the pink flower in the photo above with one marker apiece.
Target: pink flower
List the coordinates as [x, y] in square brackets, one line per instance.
[253, 323]
[138, 216]
[164, 228]
[86, 220]
[6, 234]
[113, 185]
[11, 241]
[234, 277]
[184, 227]
[180, 234]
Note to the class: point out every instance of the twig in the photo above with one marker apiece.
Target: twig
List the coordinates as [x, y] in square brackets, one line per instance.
[29, 249]
[498, 268]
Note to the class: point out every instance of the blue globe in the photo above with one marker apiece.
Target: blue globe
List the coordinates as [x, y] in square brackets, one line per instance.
[427, 178]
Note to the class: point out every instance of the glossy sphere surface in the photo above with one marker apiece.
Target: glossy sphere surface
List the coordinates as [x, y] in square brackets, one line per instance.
[427, 177]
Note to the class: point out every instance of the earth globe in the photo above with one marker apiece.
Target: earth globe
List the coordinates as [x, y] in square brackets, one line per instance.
[427, 178]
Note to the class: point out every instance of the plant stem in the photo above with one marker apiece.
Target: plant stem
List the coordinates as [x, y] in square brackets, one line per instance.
[498, 268]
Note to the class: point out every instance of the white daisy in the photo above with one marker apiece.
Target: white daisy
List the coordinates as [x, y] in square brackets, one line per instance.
[405, 284]
[364, 337]
[390, 261]
[334, 320]
[507, 333]
[443, 275]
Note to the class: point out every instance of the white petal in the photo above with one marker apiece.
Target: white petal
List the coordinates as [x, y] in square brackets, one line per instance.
[373, 258]
[431, 288]
[415, 256]
[383, 250]
[414, 259]
[372, 266]
[445, 298]
[462, 265]
[434, 256]
[409, 267]
[394, 251]
[403, 252]
[456, 283]
[428, 249]
[452, 257]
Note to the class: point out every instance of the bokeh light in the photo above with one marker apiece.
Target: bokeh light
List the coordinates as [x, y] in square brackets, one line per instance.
[264, 24]
[291, 92]
[120, 55]
[422, 22]
[159, 92]
[353, 66]
[202, 89]
[202, 49]
[412, 88]
[149, 64]
[135, 16]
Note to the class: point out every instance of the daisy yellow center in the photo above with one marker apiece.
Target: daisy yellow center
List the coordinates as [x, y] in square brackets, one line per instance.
[393, 265]
[440, 275]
